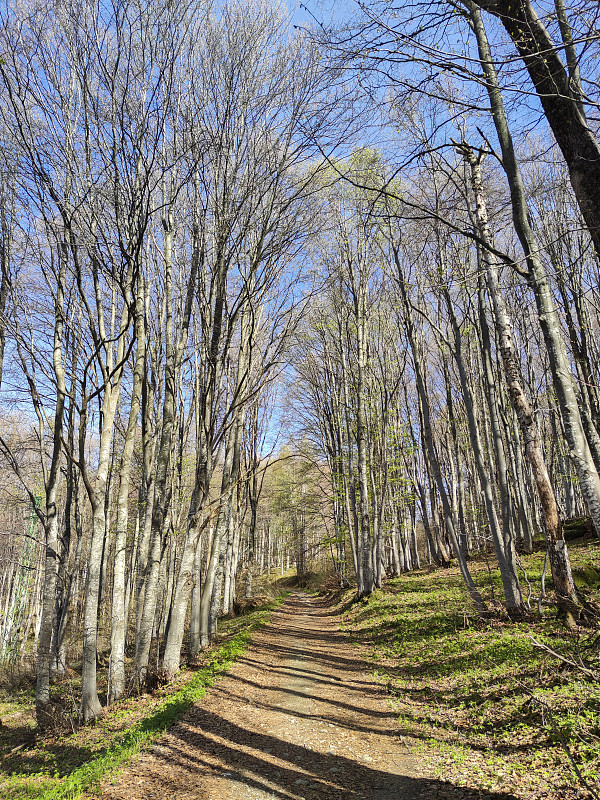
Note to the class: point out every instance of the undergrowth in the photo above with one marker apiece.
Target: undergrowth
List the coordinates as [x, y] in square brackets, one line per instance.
[111, 750]
[488, 708]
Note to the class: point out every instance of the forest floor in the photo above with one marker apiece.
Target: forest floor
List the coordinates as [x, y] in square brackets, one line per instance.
[484, 706]
[68, 759]
[406, 696]
[298, 717]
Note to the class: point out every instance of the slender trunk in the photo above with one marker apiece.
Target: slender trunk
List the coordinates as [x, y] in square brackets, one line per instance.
[503, 544]
[253, 499]
[557, 549]
[185, 582]
[562, 376]
[427, 433]
[350, 486]
[231, 533]
[162, 492]
[44, 645]
[116, 669]
[361, 447]
[90, 704]
[47, 621]
[195, 646]
[230, 475]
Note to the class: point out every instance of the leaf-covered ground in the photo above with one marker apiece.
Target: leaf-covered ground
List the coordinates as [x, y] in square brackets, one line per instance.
[489, 709]
[72, 760]
[480, 705]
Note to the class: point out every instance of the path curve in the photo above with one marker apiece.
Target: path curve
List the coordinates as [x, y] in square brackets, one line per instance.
[298, 717]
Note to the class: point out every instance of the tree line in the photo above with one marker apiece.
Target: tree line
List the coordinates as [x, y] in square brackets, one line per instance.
[212, 227]
[422, 266]
[157, 171]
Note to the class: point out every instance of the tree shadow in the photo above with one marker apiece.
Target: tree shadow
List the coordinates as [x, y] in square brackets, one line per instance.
[53, 758]
[211, 746]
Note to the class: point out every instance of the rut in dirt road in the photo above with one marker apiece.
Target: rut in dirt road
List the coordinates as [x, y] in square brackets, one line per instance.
[299, 717]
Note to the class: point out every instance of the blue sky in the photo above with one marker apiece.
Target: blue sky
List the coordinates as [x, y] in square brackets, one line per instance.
[323, 10]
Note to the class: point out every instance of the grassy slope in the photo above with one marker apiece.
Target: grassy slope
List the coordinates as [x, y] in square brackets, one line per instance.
[64, 767]
[487, 708]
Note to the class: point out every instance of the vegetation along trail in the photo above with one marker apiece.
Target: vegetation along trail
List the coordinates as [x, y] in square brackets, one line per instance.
[303, 295]
[299, 716]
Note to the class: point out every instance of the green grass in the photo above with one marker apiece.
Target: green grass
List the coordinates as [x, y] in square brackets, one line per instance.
[116, 749]
[487, 707]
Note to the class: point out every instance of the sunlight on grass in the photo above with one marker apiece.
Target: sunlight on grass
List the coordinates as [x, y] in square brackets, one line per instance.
[486, 706]
[115, 749]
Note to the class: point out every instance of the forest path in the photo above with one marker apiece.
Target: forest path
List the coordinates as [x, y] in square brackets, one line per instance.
[298, 717]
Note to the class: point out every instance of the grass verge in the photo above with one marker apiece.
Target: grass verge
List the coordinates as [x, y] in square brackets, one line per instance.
[113, 750]
[488, 709]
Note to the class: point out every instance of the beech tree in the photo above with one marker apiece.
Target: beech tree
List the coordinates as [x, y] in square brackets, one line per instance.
[226, 353]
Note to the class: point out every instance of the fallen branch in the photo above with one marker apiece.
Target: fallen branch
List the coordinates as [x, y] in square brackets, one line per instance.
[586, 671]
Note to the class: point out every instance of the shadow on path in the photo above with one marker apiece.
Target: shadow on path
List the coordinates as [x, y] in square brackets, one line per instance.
[281, 769]
[299, 717]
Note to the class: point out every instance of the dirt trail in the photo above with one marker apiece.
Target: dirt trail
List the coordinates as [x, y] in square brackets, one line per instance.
[298, 717]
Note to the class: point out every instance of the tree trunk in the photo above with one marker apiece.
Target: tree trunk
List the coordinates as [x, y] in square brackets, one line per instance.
[427, 433]
[557, 550]
[116, 668]
[361, 446]
[195, 646]
[560, 101]
[174, 351]
[90, 704]
[503, 543]
[549, 321]
[44, 645]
